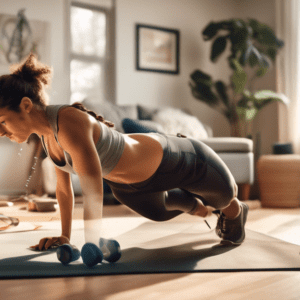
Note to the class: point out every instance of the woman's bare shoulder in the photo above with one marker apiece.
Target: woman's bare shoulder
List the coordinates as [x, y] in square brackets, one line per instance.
[75, 116]
[70, 111]
[79, 124]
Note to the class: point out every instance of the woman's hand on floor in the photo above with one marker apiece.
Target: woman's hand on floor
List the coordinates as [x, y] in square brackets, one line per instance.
[50, 242]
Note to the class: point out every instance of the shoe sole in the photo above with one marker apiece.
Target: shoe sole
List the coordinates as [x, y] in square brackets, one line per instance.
[231, 243]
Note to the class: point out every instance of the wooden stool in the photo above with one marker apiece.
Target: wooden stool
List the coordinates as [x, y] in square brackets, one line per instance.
[279, 180]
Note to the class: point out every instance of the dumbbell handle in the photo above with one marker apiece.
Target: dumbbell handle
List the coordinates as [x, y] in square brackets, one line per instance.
[105, 251]
[110, 249]
[67, 253]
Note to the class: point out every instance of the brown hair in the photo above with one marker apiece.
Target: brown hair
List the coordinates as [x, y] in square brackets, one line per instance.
[31, 78]
[27, 79]
[79, 105]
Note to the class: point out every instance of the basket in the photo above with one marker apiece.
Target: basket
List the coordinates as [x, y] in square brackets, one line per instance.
[279, 180]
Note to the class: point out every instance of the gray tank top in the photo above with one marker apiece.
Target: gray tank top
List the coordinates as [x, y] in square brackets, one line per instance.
[110, 145]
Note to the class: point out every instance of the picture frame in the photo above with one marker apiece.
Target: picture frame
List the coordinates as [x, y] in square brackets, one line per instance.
[37, 43]
[157, 49]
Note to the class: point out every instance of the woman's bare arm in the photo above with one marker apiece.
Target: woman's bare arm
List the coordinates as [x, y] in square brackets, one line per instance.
[76, 137]
[65, 198]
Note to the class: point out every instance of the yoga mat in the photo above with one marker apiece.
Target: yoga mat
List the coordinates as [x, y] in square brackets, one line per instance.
[148, 247]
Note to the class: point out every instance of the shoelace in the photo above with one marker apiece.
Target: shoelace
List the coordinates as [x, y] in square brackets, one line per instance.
[222, 224]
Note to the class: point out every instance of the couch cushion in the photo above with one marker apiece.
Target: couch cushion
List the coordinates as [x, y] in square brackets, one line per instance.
[176, 121]
[141, 126]
[112, 112]
[241, 166]
[146, 112]
[229, 144]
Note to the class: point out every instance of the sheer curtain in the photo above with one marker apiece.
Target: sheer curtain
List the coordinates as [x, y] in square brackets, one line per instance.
[288, 70]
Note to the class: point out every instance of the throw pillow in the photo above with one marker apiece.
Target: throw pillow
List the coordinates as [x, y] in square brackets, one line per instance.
[176, 121]
[141, 126]
[112, 112]
[145, 113]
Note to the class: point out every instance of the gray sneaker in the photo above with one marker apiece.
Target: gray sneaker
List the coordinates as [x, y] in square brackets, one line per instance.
[232, 231]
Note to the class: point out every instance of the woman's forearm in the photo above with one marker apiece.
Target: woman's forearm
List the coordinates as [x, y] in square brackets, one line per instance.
[93, 207]
[66, 205]
[92, 191]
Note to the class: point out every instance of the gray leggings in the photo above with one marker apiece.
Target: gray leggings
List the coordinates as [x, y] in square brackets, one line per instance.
[189, 169]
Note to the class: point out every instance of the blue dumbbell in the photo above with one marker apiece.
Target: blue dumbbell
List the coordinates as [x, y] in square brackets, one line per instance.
[91, 254]
[67, 253]
[109, 250]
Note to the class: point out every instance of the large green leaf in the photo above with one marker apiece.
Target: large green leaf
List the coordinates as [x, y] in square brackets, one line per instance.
[247, 93]
[200, 77]
[266, 35]
[264, 97]
[218, 47]
[212, 29]
[272, 52]
[253, 61]
[239, 78]
[266, 61]
[245, 106]
[204, 93]
[201, 87]
[254, 56]
[254, 24]
[244, 102]
[258, 55]
[221, 89]
[231, 64]
[279, 43]
[262, 71]
[266, 54]
[246, 53]
[247, 114]
[239, 36]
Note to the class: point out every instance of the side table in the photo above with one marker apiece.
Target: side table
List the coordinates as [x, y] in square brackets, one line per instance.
[279, 180]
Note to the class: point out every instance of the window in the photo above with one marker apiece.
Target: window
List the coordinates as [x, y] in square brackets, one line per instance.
[90, 53]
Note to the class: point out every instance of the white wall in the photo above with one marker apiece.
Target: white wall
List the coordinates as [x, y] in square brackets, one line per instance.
[190, 17]
[54, 14]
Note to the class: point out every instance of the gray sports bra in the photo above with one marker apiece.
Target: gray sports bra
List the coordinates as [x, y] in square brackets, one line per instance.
[110, 145]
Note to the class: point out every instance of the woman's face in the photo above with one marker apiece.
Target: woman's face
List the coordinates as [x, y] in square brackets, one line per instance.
[15, 126]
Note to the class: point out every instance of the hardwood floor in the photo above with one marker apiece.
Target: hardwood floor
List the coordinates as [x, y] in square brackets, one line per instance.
[226, 285]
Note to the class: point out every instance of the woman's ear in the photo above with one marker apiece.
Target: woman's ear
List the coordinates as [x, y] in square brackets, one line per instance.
[26, 104]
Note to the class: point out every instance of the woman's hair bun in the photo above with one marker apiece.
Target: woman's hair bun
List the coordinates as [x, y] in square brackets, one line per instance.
[31, 70]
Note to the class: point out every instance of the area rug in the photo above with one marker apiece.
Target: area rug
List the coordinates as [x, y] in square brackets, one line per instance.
[147, 247]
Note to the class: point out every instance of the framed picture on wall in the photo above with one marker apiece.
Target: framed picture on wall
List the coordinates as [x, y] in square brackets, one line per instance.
[157, 49]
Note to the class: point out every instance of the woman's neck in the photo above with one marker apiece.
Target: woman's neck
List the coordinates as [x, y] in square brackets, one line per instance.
[41, 125]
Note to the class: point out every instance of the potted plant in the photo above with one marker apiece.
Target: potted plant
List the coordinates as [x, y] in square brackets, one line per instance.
[252, 44]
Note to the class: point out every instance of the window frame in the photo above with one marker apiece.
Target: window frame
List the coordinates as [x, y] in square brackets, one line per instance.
[106, 62]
